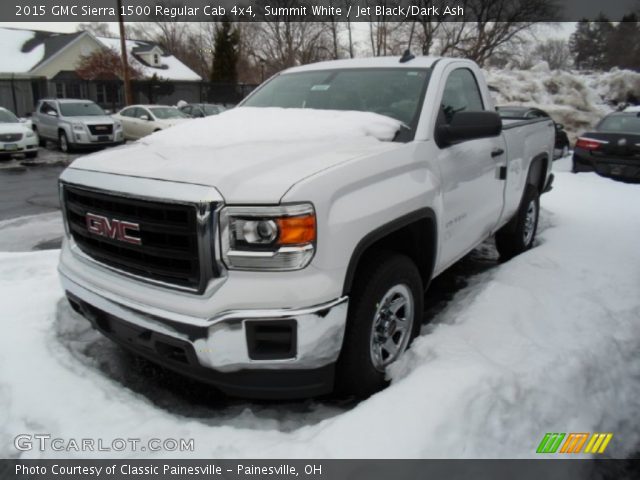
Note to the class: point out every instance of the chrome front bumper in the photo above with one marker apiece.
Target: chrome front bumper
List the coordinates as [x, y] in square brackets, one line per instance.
[220, 342]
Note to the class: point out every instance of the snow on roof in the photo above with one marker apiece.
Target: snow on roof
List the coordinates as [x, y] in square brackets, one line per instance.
[172, 68]
[373, 62]
[14, 60]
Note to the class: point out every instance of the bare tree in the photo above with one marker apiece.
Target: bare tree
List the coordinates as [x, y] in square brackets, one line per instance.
[496, 24]
[555, 52]
[99, 29]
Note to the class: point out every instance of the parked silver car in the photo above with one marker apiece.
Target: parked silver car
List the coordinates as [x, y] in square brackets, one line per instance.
[75, 124]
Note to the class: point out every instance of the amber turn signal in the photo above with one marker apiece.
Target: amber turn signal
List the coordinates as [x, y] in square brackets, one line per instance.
[296, 230]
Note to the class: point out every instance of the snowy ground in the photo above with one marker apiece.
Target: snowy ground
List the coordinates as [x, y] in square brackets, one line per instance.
[546, 342]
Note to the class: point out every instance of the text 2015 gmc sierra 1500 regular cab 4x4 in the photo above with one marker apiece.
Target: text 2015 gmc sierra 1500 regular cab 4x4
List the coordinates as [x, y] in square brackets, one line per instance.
[282, 248]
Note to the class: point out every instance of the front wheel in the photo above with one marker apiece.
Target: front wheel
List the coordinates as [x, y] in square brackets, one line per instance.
[63, 142]
[385, 314]
[517, 236]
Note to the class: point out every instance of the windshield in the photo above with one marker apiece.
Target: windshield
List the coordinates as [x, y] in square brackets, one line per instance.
[511, 113]
[164, 113]
[394, 92]
[80, 109]
[620, 123]
[7, 117]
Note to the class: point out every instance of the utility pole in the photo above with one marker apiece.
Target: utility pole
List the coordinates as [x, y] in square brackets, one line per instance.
[128, 98]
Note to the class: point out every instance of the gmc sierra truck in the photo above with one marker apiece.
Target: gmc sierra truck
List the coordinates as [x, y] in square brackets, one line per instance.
[296, 265]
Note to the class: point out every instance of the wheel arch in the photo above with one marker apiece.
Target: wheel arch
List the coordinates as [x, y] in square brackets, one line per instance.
[413, 234]
[538, 168]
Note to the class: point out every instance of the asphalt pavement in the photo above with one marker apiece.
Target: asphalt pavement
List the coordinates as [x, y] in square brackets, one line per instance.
[30, 186]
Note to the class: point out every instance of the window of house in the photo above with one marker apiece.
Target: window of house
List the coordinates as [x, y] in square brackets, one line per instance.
[156, 59]
[69, 90]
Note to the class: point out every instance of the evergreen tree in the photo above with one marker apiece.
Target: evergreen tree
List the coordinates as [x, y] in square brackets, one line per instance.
[225, 53]
[602, 32]
[623, 48]
[582, 45]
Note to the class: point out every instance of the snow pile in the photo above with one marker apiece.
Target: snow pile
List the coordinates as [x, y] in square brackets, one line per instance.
[577, 100]
[244, 125]
[25, 233]
[14, 60]
[547, 342]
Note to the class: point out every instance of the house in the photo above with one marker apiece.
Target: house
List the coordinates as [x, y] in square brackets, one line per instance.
[37, 64]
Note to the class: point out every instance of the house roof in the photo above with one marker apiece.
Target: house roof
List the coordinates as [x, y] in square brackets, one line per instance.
[171, 68]
[24, 50]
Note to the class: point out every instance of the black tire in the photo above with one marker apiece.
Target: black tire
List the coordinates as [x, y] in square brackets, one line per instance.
[41, 141]
[379, 275]
[518, 235]
[31, 154]
[63, 143]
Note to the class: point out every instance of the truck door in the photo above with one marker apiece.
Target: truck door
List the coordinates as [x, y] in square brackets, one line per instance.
[471, 188]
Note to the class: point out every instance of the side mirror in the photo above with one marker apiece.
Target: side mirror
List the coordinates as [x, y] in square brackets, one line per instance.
[52, 113]
[469, 126]
[559, 126]
[108, 112]
[144, 117]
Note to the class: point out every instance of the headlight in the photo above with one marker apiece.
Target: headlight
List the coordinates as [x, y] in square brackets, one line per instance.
[30, 134]
[78, 127]
[268, 238]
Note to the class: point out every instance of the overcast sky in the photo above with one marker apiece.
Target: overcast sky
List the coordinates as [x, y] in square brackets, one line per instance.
[555, 30]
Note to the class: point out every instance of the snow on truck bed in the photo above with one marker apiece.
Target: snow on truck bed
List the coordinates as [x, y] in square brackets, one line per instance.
[548, 342]
[244, 125]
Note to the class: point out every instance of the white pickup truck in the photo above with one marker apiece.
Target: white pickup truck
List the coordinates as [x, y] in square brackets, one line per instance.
[282, 249]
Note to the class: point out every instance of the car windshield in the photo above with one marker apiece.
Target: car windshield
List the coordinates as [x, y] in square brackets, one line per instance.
[394, 92]
[620, 124]
[212, 109]
[511, 113]
[7, 117]
[80, 109]
[164, 113]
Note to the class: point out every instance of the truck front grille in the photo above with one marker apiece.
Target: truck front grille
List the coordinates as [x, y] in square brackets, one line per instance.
[10, 137]
[165, 245]
[101, 129]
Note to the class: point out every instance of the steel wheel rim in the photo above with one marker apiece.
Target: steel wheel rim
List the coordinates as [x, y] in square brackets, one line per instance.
[530, 222]
[392, 326]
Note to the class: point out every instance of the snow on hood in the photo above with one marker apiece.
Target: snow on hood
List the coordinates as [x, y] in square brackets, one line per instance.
[254, 125]
[250, 154]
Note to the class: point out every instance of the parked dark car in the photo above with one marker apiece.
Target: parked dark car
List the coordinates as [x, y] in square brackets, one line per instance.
[562, 145]
[612, 149]
[199, 110]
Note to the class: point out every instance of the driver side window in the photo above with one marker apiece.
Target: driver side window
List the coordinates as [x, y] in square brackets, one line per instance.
[461, 93]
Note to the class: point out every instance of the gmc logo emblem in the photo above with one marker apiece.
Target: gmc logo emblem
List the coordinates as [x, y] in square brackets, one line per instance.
[116, 229]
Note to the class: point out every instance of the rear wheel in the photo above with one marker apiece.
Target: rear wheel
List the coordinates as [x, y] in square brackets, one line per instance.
[385, 314]
[517, 236]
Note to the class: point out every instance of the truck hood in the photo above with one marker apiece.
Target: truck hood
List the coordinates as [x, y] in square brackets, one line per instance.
[250, 155]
